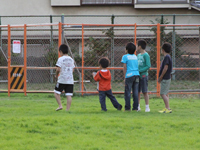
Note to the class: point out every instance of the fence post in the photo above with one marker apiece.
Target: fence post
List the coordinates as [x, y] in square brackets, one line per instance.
[112, 47]
[135, 32]
[158, 58]
[82, 58]
[62, 20]
[51, 21]
[0, 33]
[199, 60]
[162, 19]
[51, 48]
[59, 36]
[9, 58]
[174, 48]
[25, 60]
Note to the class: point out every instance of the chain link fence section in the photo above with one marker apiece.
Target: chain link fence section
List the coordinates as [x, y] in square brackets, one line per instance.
[72, 36]
[100, 41]
[149, 34]
[103, 41]
[42, 54]
[185, 57]
[3, 58]
[17, 35]
[110, 41]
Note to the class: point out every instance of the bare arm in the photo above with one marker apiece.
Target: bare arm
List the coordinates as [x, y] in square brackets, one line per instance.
[124, 70]
[163, 73]
[57, 72]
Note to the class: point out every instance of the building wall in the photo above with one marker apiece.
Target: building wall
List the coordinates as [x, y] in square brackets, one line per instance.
[43, 7]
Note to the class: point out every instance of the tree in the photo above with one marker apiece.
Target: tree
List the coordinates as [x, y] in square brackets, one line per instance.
[98, 48]
[164, 37]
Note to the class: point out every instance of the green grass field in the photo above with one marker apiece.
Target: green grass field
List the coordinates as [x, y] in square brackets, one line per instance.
[31, 123]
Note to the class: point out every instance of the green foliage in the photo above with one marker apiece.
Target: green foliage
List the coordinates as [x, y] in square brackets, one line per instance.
[164, 37]
[31, 122]
[77, 58]
[153, 52]
[162, 29]
[191, 63]
[51, 55]
[178, 43]
[98, 48]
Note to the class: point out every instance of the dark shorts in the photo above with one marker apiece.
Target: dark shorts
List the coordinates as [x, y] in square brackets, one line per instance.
[68, 88]
[143, 84]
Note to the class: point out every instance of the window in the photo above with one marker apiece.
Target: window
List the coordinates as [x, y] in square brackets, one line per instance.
[106, 2]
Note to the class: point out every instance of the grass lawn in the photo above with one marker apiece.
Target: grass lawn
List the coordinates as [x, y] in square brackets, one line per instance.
[31, 123]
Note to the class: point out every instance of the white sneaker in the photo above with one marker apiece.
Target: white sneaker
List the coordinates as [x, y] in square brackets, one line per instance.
[147, 109]
[139, 108]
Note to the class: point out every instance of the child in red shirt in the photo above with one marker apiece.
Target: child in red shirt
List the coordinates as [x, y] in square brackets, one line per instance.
[104, 78]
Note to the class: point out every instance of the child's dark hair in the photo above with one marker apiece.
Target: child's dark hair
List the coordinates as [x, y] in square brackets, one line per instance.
[167, 47]
[142, 43]
[63, 48]
[104, 62]
[130, 47]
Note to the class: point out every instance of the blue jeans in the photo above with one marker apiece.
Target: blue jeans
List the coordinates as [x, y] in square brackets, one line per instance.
[102, 99]
[131, 83]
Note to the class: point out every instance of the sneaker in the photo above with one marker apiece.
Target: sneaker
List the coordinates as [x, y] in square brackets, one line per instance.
[162, 111]
[119, 107]
[139, 108]
[168, 111]
[147, 109]
[165, 110]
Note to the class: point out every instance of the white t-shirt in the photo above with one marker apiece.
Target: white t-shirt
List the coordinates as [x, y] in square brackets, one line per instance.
[66, 63]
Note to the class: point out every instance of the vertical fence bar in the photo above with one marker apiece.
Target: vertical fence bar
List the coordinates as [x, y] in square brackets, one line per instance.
[51, 39]
[82, 58]
[51, 48]
[63, 21]
[9, 58]
[25, 59]
[199, 60]
[59, 36]
[158, 58]
[135, 32]
[135, 36]
[0, 33]
[112, 47]
[174, 48]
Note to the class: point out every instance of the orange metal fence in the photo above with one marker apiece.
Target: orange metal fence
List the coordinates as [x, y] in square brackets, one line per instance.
[87, 43]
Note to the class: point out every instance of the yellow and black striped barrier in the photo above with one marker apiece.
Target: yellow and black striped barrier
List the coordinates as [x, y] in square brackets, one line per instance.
[17, 78]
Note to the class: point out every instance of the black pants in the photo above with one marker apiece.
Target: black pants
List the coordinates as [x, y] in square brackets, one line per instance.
[102, 99]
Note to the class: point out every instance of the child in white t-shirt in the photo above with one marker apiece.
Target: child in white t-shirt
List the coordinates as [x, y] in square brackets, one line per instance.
[65, 81]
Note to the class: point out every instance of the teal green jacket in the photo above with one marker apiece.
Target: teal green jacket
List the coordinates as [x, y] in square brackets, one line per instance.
[144, 63]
